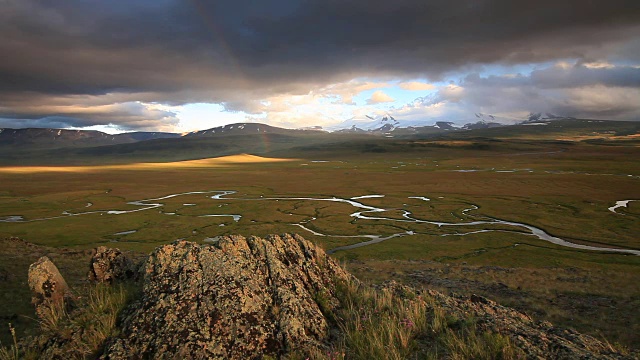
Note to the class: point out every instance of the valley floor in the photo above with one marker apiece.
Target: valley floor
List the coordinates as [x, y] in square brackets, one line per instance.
[565, 190]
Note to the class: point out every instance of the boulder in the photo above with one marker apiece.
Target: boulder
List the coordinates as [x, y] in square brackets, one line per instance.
[108, 265]
[239, 298]
[47, 285]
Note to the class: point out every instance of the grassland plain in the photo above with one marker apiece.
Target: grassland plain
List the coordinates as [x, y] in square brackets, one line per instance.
[563, 188]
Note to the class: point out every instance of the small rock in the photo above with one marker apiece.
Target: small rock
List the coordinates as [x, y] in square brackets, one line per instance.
[108, 265]
[479, 299]
[4, 275]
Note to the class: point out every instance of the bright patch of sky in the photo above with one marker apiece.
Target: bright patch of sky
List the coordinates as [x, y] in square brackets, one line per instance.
[201, 116]
[325, 107]
[399, 94]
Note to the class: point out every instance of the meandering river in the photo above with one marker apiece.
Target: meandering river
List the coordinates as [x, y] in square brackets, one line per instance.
[362, 211]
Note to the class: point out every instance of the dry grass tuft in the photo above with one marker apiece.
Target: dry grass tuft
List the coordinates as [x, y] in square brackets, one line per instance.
[80, 333]
[382, 324]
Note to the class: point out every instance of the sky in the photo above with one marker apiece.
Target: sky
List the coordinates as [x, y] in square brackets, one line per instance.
[185, 65]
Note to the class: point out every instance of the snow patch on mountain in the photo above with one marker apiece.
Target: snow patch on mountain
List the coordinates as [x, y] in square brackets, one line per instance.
[533, 117]
[367, 123]
[388, 123]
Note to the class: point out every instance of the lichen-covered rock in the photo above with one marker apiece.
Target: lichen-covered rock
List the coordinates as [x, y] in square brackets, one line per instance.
[108, 265]
[539, 339]
[240, 298]
[47, 285]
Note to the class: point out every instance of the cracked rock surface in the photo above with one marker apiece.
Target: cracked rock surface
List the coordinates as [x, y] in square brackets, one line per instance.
[240, 298]
[108, 265]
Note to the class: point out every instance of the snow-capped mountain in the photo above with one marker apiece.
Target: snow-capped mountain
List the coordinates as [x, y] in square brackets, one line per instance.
[485, 121]
[481, 125]
[445, 125]
[490, 118]
[368, 123]
[543, 116]
[387, 124]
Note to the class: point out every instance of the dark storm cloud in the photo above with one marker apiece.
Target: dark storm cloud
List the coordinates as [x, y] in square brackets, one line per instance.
[238, 52]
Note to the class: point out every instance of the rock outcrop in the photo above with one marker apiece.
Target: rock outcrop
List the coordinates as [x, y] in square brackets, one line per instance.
[108, 265]
[47, 285]
[254, 298]
[240, 298]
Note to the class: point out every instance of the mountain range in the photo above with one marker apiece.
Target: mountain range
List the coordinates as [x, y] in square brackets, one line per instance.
[58, 146]
[387, 125]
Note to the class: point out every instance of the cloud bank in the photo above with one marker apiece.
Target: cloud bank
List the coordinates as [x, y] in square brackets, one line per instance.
[81, 63]
[577, 90]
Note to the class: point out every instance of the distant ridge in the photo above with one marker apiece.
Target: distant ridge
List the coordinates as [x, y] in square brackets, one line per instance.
[39, 138]
[249, 129]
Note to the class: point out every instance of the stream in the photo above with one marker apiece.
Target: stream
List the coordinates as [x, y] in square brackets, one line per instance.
[362, 211]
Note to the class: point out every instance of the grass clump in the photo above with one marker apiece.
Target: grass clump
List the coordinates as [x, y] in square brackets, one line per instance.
[52, 315]
[79, 333]
[13, 352]
[379, 325]
[98, 320]
[397, 323]
[468, 344]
